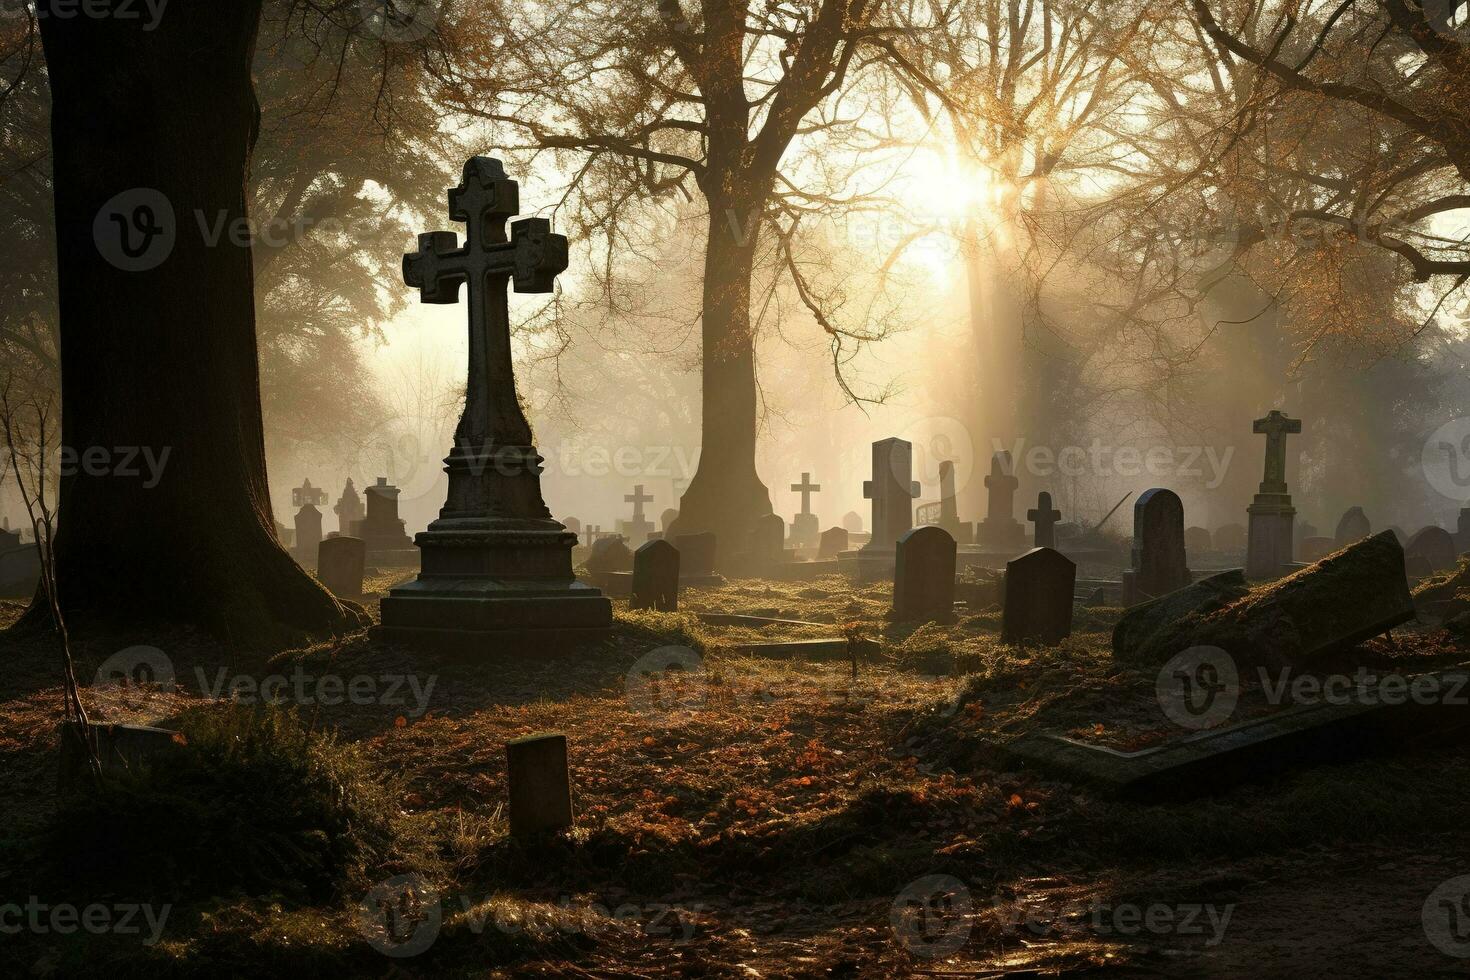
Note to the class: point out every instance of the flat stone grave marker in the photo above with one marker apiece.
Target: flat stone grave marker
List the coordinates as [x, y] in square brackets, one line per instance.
[1038, 598]
[539, 786]
[923, 575]
[656, 577]
[833, 542]
[1325, 732]
[1435, 545]
[340, 563]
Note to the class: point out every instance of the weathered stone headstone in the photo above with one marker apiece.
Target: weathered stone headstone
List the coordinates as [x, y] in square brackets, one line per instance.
[381, 530]
[1038, 598]
[1399, 533]
[805, 528]
[892, 491]
[1231, 539]
[308, 519]
[20, 567]
[656, 577]
[1269, 550]
[667, 519]
[949, 515]
[923, 575]
[638, 528]
[340, 561]
[348, 508]
[1435, 545]
[833, 543]
[696, 555]
[1197, 541]
[495, 560]
[767, 541]
[573, 525]
[1000, 531]
[609, 554]
[1353, 526]
[538, 784]
[1158, 547]
[1045, 517]
[852, 521]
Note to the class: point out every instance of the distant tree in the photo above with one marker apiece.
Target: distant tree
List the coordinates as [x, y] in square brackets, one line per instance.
[712, 103]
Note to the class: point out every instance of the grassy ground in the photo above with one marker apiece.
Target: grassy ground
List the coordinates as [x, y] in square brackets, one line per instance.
[747, 816]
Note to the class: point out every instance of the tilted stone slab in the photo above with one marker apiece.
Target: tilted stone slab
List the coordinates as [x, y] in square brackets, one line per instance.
[1342, 600]
[1320, 733]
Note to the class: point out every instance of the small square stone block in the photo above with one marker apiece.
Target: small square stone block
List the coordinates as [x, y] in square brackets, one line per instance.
[540, 789]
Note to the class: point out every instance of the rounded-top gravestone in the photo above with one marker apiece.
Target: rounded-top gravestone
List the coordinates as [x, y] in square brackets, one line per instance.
[923, 574]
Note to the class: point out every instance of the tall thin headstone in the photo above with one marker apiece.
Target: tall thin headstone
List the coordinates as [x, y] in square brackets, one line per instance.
[892, 491]
[1272, 517]
[949, 513]
[1045, 517]
[495, 560]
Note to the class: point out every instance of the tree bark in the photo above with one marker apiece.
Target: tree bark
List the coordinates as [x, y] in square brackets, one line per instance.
[160, 357]
[726, 495]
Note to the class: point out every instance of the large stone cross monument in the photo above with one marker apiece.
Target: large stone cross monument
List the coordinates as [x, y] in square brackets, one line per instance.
[495, 561]
[1268, 544]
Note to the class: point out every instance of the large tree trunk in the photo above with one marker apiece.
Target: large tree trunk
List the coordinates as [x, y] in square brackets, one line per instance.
[726, 496]
[158, 344]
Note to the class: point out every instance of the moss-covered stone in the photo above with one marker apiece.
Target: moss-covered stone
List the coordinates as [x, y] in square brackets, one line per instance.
[1349, 596]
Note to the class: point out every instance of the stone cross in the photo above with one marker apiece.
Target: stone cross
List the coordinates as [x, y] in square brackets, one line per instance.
[494, 561]
[638, 498]
[892, 491]
[806, 488]
[307, 495]
[1045, 519]
[530, 257]
[1275, 427]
